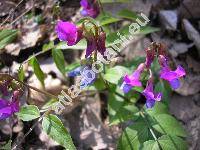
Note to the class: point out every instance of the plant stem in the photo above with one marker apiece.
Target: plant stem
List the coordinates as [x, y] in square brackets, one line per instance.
[31, 87]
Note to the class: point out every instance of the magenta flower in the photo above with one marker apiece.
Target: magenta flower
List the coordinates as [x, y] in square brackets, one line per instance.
[9, 108]
[132, 80]
[90, 8]
[68, 32]
[171, 76]
[150, 96]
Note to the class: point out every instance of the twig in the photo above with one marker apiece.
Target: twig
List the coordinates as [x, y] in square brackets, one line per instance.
[31, 129]
[31, 87]
[21, 15]
[11, 12]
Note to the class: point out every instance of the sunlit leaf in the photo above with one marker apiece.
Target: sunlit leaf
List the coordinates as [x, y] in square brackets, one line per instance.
[113, 75]
[21, 73]
[166, 124]
[28, 113]
[7, 36]
[53, 126]
[37, 70]
[128, 14]
[79, 46]
[59, 60]
[166, 143]
[48, 46]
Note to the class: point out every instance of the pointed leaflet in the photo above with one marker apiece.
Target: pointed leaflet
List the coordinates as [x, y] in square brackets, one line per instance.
[37, 70]
[55, 129]
[28, 113]
[59, 60]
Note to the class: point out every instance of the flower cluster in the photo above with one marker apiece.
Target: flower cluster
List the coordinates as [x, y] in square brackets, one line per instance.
[173, 77]
[72, 34]
[90, 8]
[8, 107]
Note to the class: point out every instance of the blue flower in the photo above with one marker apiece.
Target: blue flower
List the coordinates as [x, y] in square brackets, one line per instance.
[88, 76]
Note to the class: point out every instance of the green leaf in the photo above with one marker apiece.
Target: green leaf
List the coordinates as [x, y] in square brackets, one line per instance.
[72, 66]
[7, 36]
[79, 46]
[106, 19]
[167, 124]
[28, 113]
[148, 29]
[113, 38]
[37, 70]
[21, 73]
[133, 136]
[125, 113]
[49, 104]
[55, 129]
[59, 60]
[113, 75]
[6, 146]
[48, 46]
[115, 1]
[99, 84]
[128, 14]
[159, 108]
[167, 143]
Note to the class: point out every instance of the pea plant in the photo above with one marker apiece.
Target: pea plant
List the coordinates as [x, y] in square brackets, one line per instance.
[138, 91]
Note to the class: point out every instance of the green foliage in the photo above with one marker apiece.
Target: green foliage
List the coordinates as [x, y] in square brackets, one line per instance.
[37, 70]
[21, 74]
[113, 75]
[165, 142]
[7, 36]
[115, 1]
[28, 113]
[133, 136]
[48, 46]
[105, 19]
[125, 13]
[79, 46]
[6, 146]
[59, 60]
[55, 129]
[166, 124]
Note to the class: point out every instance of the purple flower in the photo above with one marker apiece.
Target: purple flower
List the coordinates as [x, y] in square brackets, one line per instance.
[90, 8]
[150, 54]
[101, 43]
[91, 45]
[95, 44]
[9, 108]
[171, 76]
[132, 80]
[150, 96]
[68, 32]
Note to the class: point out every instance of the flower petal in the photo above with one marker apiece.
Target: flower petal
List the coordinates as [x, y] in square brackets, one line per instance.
[168, 75]
[150, 103]
[175, 83]
[180, 71]
[126, 87]
[74, 72]
[67, 31]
